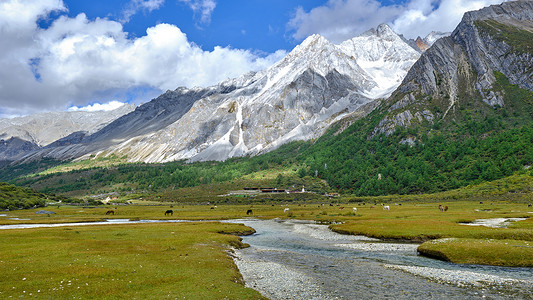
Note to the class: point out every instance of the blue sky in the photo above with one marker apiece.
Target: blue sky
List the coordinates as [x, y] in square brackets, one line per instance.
[79, 54]
[245, 24]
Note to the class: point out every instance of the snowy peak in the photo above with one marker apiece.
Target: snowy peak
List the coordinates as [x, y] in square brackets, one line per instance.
[376, 60]
[385, 32]
[44, 128]
[376, 44]
[314, 42]
[384, 55]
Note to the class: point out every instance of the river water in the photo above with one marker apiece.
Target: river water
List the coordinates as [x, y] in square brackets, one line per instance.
[302, 260]
[290, 259]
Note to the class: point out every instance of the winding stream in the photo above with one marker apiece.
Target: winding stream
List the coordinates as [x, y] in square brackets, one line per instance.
[301, 260]
[291, 259]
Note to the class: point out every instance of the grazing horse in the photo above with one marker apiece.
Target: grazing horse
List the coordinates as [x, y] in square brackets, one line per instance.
[529, 205]
[386, 207]
[446, 208]
[249, 212]
[441, 208]
[286, 210]
[110, 212]
[354, 210]
[169, 212]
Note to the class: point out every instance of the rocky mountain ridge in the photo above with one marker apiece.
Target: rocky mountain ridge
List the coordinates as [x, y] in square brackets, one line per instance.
[21, 135]
[315, 85]
[460, 69]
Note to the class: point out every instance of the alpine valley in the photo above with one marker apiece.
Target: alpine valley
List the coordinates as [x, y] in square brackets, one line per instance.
[377, 114]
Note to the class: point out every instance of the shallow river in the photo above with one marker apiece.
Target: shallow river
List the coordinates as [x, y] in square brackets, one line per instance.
[290, 259]
[302, 260]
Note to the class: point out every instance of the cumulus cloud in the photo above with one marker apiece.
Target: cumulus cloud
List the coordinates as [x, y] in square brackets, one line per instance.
[135, 6]
[339, 20]
[204, 8]
[423, 16]
[76, 61]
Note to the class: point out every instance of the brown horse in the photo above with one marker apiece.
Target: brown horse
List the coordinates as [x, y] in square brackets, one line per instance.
[169, 212]
[110, 212]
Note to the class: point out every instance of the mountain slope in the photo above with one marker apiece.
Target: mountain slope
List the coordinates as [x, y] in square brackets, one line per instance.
[318, 83]
[462, 76]
[462, 115]
[21, 135]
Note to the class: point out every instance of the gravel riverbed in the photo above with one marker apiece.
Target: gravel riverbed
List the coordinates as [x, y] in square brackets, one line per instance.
[295, 260]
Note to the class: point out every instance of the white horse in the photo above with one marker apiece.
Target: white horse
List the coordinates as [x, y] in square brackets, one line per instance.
[286, 210]
[386, 207]
[354, 210]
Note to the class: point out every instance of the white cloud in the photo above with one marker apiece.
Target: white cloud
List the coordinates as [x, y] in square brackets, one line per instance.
[203, 7]
[423, 16]
[135, 6]
[112, 105]
[339, 20]
[78, 61]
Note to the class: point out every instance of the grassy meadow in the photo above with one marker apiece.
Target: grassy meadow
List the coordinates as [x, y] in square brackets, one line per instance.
[190, 260]
[142, 261]
[407, 221]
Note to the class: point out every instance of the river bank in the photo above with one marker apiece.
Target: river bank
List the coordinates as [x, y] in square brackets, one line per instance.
[298, 260]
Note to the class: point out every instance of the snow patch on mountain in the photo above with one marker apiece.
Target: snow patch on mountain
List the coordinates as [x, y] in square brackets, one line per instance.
[297, 98]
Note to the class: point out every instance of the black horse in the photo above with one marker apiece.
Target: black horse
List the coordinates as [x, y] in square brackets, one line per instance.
[249, 212]
[169, 212]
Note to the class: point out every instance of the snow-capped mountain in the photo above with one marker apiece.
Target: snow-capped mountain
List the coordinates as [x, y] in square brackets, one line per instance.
[22, 134]
[297, 98]
[384, 56]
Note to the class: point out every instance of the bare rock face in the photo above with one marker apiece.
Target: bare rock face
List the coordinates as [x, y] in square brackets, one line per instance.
[463, 65]
[297, 98]
[480, 35]
[15, 148]
[421, 44]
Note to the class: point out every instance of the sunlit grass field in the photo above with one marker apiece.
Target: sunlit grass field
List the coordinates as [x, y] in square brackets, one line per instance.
[148, 261]
[191, 260]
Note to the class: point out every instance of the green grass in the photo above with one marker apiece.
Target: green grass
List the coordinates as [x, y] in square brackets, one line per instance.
[519, 39]
[186, 258]
[511, 253]
[463, 244]
[516, 188]
[149, 261]
[422, 222]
